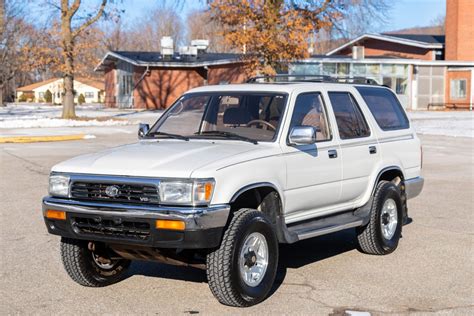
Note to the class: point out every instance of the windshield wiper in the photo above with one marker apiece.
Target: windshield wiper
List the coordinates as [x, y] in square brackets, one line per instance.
[227, 135]
[169, 135]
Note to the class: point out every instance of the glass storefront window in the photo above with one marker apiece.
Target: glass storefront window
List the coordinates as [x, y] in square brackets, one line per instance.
[373, 69]
[342, 69]
[359, 69]
[329, 69]
[401, 87]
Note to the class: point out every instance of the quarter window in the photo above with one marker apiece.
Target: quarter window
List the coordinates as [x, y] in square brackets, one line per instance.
[385, 108]
[350, 121]
[309, 111]
[458, 88]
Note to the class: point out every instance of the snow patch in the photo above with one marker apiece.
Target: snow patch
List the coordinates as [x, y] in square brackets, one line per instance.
[52, 122]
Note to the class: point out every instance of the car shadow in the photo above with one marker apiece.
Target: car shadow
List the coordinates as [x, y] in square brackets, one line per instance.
[311, 251]
[291, 256]
[166, 271]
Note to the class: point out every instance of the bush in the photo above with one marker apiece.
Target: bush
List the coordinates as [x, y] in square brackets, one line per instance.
[81, 99]
[22, 98]
[48, 96]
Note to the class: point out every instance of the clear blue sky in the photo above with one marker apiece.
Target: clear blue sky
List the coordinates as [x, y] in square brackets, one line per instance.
[405, 13]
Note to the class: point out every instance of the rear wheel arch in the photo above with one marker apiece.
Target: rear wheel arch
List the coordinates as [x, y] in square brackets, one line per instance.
[395, 175]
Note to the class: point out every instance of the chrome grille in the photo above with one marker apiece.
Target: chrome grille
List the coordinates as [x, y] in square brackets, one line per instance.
[124, 192]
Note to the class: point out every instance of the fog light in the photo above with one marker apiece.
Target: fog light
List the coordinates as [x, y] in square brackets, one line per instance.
[52, 214]
[169, 224]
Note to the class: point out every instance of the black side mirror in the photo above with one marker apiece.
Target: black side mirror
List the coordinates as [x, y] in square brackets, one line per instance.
[143, 130]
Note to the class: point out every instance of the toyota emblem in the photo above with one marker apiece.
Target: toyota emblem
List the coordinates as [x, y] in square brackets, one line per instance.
[112, 191]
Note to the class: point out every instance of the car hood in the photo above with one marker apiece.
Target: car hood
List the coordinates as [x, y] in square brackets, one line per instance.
[164, 158]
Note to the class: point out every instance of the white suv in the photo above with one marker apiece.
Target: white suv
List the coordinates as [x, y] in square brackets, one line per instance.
[228, 172]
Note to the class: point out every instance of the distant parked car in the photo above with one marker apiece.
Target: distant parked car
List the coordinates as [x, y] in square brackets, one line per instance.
[229, 172]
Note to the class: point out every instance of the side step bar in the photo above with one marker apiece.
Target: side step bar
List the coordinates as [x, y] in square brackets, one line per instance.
[328, 224]
[305, 234]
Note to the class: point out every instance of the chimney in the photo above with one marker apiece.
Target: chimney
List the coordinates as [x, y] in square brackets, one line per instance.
[167, 46]
[358, 52]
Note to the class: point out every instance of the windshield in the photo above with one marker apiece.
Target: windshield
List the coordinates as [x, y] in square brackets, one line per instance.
[246, 116]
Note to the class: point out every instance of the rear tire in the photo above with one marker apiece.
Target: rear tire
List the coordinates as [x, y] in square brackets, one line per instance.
[241, 272]
[83, 267]
[382, 234]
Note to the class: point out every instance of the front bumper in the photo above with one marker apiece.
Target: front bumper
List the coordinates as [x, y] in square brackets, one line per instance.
[414, 186]
[135, 224]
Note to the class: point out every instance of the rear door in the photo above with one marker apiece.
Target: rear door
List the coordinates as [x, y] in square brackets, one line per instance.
[359, 147]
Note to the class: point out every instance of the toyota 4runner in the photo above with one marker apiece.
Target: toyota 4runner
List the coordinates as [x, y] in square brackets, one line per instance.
[228, 172]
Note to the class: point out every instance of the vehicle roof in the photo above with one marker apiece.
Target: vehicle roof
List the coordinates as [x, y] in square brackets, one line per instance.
[283, 87]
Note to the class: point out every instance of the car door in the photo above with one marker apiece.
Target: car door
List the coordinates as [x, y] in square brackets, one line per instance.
[314, 172]
[359, 146]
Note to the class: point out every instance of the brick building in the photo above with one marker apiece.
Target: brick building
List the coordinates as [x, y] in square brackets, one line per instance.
[153, 80]
[426, 71]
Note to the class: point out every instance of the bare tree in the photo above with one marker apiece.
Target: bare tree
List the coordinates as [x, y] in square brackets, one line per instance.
[69, 34]
[200, 25]
[164, 20]
[13, 39]
[356, 17]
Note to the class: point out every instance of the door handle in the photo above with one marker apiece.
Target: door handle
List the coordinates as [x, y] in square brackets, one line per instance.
[332, 153]
[372, 150]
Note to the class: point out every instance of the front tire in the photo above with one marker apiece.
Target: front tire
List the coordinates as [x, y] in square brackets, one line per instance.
[241, 272]
[85, 268]
[382, 234]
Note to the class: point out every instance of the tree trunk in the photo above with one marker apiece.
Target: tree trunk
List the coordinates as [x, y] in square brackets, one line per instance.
[1, 96]
[69, 111]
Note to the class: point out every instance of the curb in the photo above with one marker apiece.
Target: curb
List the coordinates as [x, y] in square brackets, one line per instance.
[37, 139]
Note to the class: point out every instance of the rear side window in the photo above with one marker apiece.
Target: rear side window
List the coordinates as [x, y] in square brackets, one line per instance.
[385, 108]
[350, 121]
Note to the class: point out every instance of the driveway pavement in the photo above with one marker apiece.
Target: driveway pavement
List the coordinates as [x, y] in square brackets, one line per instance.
[431, 271]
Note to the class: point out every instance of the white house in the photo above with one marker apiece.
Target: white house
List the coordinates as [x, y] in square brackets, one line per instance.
[92, 90]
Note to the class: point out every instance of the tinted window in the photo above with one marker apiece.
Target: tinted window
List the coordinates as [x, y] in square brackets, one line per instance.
[309, 111]
[385, 108]
[350, 121]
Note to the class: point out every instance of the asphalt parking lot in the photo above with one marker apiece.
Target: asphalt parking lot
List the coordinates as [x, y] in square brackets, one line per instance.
[431, 271]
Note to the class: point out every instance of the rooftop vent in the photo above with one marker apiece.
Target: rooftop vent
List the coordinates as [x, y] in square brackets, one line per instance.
[167, 48]
[200, 44]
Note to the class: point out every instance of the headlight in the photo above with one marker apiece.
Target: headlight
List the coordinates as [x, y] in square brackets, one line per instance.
[195, 192]
[59, 185]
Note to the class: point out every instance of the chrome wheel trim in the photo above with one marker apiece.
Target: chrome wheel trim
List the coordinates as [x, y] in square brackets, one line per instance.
[389, 218]
[253, 259]
[105, 266]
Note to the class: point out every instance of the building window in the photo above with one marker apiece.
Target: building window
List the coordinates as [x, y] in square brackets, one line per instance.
[458, 88]
[41, 95]
[88, 95]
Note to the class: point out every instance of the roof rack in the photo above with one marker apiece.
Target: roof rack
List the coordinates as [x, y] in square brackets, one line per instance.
[311, 78]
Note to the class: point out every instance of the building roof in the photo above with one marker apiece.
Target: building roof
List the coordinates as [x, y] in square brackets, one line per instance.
[156, 59]
[422, 41]
[89, 82]
[425, 38]
[36, 85]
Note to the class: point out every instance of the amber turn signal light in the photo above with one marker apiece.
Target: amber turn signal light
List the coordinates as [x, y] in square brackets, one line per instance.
[52, 214]
[170, 224]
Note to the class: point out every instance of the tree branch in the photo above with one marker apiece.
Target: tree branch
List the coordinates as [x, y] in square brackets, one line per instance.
[91, 20]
